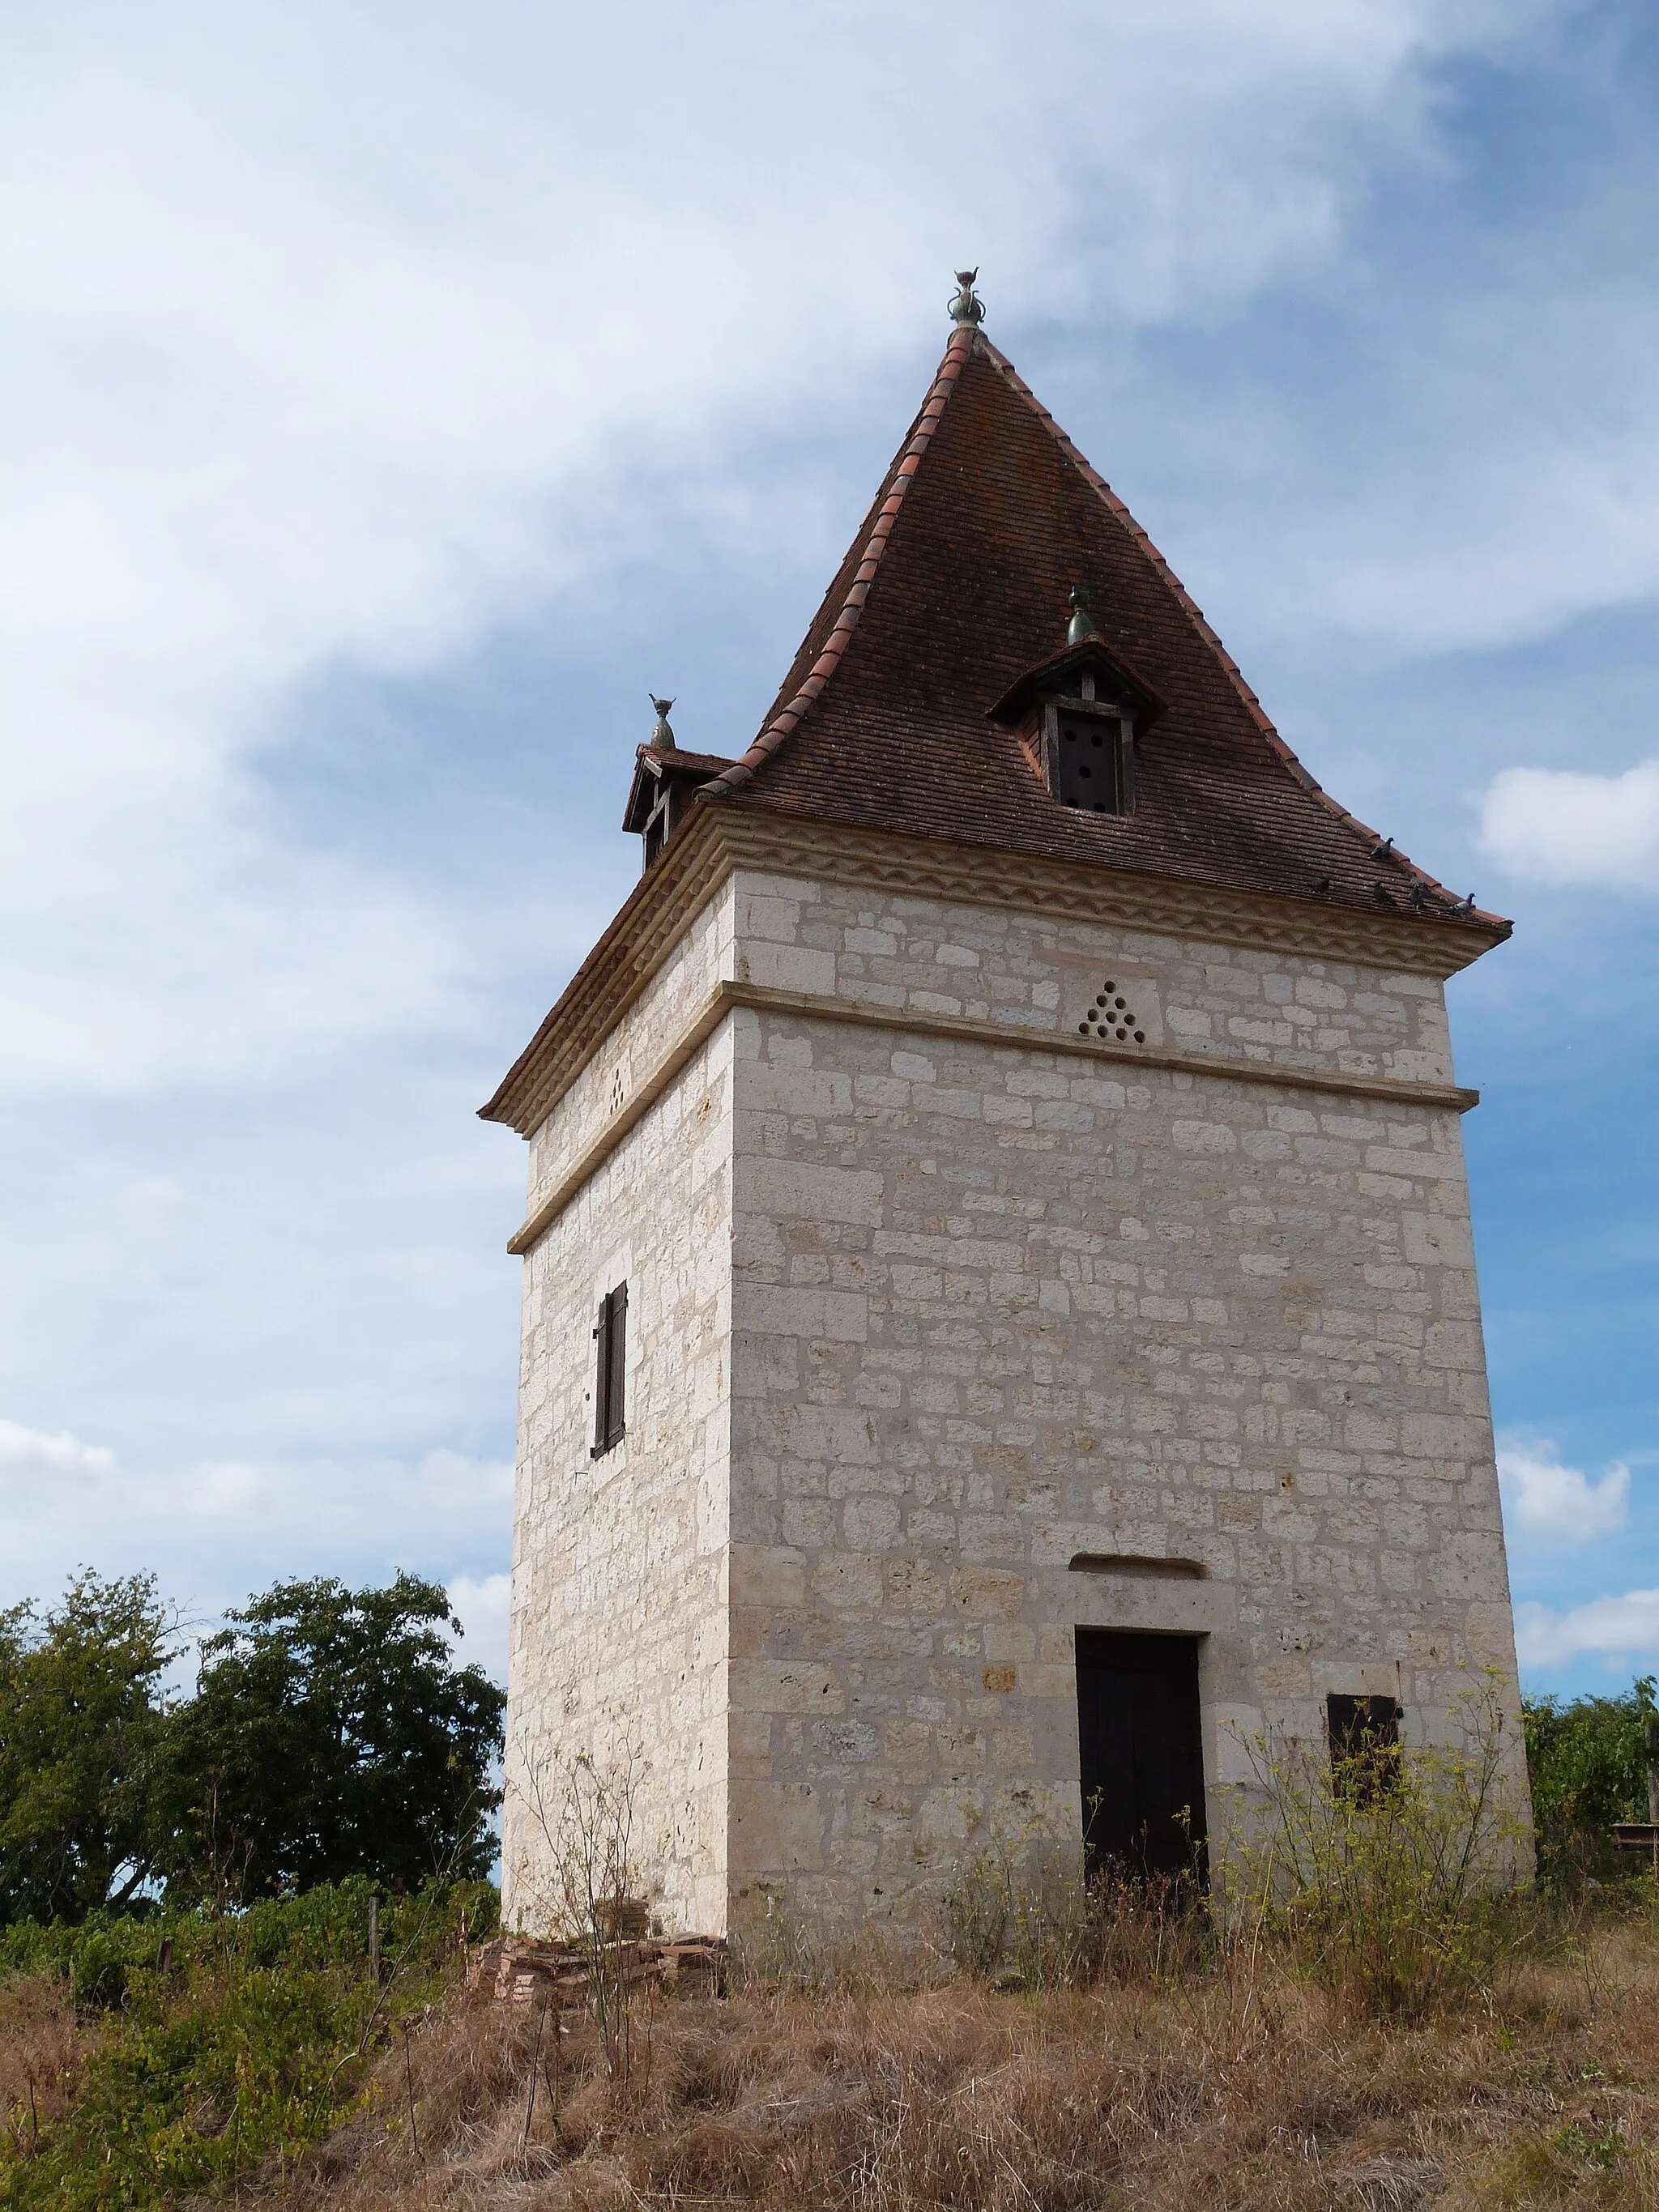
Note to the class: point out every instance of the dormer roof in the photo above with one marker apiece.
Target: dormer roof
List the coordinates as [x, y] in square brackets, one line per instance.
[955, 592]
[653, 768]
[1062, 675]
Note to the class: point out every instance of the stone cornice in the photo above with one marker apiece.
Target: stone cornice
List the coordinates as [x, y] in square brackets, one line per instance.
[648, 924]
[726, 997]
[717, 840]
[1171, 906]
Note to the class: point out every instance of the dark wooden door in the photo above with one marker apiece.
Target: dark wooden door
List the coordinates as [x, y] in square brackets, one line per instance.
[1142, 1752]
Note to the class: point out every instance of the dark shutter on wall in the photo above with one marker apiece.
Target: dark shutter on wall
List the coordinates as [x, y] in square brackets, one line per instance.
[601, 1374]
[616, 1380]
[611, 1370]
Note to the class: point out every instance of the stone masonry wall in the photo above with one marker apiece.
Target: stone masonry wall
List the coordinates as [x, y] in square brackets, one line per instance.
[703, 955]
[994, 1308]
[619, 1613]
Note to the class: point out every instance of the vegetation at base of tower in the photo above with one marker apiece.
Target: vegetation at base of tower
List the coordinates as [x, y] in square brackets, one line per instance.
[331, 1733]
[1174, 2073]
[1314, 2043]
[1378, 1868]
[1162, 2083]
[586, 1888]
[143, 2060]
[1588, 1761]
[1388, 1875]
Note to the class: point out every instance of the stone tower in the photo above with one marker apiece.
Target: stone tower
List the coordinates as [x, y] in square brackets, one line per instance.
[1000, 1313]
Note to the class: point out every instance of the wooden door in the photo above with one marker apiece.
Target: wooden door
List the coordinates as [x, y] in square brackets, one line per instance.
[1142, 1755]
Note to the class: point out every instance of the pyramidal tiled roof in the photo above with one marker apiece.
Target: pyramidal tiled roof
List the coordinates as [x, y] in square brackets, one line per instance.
[956, 584]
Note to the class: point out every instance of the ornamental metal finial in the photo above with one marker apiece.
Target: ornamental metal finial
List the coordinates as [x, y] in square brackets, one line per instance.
[662, 738]
[967, 307]
[1082, 623]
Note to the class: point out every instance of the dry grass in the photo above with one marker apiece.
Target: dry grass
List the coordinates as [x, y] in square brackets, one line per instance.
[43, 2051]
[1246, 2088]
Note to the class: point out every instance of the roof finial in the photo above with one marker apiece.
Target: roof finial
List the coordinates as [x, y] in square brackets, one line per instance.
[967, 307]
[662, 738]
[1082, 623]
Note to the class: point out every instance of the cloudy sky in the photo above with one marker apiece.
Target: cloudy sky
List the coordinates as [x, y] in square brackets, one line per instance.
[391, 394]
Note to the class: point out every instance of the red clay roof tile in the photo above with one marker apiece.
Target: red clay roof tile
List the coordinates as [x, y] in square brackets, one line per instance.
[956, 585]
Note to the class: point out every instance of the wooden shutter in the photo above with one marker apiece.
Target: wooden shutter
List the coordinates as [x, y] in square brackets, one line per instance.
[601, 1374]
[610, 1369]
[616, 1379]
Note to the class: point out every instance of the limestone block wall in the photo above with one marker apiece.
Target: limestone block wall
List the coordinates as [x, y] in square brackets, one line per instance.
[619, 1616]
[994, 1307]
[1037, 974]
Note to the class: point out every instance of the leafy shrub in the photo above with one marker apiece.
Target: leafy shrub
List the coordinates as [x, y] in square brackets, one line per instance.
[1017, 1912]
[1392, 1885]
[1588, 1761]
[1386, 1877]
[256, 2035]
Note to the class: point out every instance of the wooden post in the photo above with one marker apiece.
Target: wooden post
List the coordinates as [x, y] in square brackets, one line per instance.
[409, 2084]
[374, 1939]
[535, 2062]
[558, 2083]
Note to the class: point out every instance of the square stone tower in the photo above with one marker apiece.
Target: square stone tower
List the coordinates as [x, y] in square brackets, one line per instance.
[1000, 1312]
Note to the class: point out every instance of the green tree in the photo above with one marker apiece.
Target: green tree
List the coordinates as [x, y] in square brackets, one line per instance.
[83, 1725]
[1587, 1762]
[332, 1734]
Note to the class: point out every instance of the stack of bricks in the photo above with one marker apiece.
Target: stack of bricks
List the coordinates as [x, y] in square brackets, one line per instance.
[514, 1970]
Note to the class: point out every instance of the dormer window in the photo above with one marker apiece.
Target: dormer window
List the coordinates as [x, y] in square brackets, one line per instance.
[1078, 717]
[665, 781]
[1089, 742]
[1094, 766]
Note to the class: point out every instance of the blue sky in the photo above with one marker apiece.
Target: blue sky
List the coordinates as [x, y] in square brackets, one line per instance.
[393, 395]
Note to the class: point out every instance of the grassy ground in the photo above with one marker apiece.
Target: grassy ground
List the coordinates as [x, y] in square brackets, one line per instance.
[1245, 2084]
[264, 2070]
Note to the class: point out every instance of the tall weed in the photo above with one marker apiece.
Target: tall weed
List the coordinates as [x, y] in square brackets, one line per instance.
[1387, 1876]
[585, 1888]
[1019, 1914]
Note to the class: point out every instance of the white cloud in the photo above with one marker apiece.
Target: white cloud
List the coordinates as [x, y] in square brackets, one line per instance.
[1549, 1499]
[1561, 826]
[215, 1532]
[481, 1607]
[1627, 1625]
[27, 1453]
[331, 333]
[331, 339]
[322, 1509]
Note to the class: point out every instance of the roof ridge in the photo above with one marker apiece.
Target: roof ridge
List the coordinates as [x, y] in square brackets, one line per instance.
[789, 718]
[1195, 615]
